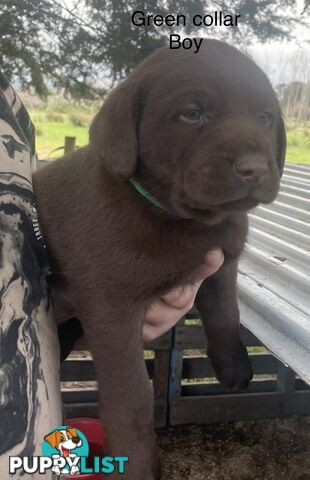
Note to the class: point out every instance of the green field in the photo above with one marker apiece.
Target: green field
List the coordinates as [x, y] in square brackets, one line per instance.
[298, 142]
[62, 119]
[59, 119]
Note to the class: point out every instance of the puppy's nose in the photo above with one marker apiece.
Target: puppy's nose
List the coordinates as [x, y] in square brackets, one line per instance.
[75, 440]
[251, 168]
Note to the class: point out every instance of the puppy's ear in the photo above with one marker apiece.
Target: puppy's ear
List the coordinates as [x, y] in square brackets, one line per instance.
[72, 431]
[113, 132]
[51, 439]
[281, 143]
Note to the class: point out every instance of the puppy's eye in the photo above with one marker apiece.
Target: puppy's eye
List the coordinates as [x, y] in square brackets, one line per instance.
[266, 118]
[192, 115]
[62, 439]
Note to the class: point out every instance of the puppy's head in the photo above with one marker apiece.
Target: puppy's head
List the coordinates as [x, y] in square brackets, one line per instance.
[64, 440]
[201, 132]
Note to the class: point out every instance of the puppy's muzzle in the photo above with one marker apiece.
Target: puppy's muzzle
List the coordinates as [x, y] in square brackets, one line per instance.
[251, 168]
[76, 440]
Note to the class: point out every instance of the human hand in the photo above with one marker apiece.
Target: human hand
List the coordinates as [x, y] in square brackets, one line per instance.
[166, 311]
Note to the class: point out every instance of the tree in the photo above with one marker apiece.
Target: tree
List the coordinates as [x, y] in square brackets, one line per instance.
[121, 45]
[295, 99]
[37, 48]
[71, 45]
[21, 51]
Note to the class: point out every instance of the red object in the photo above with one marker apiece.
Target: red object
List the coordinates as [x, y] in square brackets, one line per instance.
[94, 432]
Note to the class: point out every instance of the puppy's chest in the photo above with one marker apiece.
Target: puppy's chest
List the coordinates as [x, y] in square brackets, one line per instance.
[157, 262]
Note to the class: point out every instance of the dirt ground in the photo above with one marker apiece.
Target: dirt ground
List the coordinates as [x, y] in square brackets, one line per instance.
[260, 450]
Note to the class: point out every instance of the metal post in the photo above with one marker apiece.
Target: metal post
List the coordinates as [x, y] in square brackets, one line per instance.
[285, 379]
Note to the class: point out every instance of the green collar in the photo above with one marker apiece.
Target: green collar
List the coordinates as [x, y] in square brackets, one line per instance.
[146, 194]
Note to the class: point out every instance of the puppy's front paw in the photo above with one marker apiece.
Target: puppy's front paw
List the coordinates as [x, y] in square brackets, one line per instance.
[56, 470]
[74, 470]
[232, 367]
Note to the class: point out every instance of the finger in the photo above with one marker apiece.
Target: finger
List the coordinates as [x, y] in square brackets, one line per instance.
[161, 323]
[163, 314]
[213, 262]
[180, 296]
[159, 312]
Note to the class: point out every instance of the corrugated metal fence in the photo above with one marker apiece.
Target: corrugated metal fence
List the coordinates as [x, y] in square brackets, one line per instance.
[275, 304]
[274, 275]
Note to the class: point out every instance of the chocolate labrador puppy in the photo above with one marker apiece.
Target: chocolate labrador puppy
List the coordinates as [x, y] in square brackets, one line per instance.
[178, 154]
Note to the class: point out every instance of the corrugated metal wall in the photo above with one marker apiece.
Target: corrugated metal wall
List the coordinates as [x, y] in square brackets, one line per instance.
[274, 280]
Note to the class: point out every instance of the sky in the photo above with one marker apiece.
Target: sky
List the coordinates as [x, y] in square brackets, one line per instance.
[287, 61]
[283, 62]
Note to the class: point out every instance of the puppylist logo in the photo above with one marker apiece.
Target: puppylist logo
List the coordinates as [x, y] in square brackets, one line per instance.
[65, 450]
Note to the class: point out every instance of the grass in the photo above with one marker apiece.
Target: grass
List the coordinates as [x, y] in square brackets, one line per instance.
[63, 118]
[298, 141]
[50, 135]
[298, 155]
[59, 119]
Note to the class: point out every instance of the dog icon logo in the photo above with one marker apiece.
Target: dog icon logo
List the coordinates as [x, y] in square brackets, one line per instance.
[65, 451]
[70, 444]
